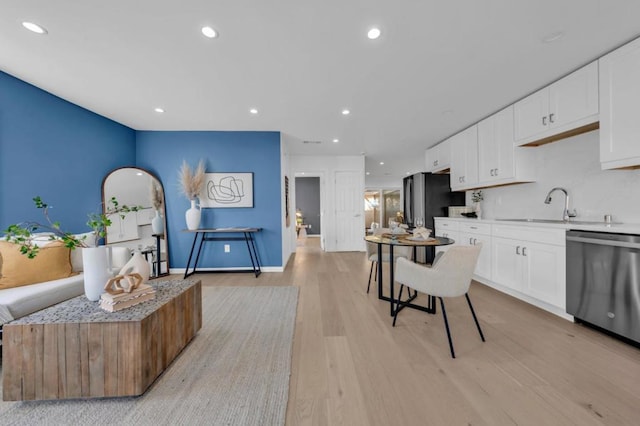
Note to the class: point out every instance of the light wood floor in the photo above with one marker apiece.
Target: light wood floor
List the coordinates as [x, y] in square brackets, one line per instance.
[350, 367]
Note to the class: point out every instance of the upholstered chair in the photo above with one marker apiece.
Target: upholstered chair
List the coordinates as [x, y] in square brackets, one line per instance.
[450, 276]
[372, 253]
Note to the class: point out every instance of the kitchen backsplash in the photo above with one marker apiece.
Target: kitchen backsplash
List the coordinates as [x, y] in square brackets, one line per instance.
[572, 164]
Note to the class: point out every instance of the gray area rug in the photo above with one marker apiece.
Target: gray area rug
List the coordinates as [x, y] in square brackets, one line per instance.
[234, 372]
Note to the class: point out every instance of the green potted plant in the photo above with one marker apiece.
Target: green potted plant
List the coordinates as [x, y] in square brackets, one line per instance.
[477, 197]
[95, 257]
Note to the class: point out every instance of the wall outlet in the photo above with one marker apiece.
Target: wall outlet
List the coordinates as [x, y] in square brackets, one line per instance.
[227, 248]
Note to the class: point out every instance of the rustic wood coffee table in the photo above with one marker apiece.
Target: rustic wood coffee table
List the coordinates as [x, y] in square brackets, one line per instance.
[77, 350]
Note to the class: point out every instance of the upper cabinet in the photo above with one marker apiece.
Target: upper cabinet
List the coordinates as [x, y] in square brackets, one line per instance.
[464, 159]
[565, 108]
[438, 158]
[499, 160]
[620, 107]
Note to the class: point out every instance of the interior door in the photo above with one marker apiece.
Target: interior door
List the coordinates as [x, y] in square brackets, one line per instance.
[349, 211]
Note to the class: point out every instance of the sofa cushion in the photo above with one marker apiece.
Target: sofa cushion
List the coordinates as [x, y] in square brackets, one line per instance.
[20, 301]
[52, 262]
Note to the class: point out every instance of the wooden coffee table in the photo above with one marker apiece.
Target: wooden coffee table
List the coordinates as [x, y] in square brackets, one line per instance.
[77, 350]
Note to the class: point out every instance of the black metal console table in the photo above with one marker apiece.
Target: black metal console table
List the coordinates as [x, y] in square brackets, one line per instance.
[247, 236]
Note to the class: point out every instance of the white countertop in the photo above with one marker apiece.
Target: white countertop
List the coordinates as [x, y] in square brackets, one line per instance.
[617, 228]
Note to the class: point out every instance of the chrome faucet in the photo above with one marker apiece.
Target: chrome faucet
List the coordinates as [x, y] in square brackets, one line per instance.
[566, 214]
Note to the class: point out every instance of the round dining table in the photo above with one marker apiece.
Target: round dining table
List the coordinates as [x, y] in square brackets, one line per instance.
[404, 240]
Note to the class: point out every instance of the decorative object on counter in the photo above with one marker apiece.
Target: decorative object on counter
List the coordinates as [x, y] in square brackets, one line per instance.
[470, 214]
[124, 291]
[138, 265]
[477, 197]
[157, 201]
[192, 183]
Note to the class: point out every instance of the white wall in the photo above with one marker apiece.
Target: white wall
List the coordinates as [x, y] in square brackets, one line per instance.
[574, 165]
[288, 242]
[325, 167]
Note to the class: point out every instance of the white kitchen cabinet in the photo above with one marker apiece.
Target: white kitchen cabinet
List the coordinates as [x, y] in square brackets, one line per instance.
[620, 107]
[472, 234]
[438, 157]
[499, 160]
[531, 262]
[569, 104]
[446, 228]
[464, 159]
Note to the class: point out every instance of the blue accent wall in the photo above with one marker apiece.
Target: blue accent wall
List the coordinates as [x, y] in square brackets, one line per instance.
[55, 149]
[163, 152]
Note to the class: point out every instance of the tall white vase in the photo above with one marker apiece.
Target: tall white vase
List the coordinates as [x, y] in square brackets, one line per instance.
[157, 224]
[478, 209]
[95, 263]
[193, 216]
[137, 264]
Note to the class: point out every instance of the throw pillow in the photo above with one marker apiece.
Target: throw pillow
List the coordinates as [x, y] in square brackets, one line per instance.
[52, 262]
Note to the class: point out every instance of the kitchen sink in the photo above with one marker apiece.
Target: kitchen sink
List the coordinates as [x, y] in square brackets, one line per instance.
[560, 222]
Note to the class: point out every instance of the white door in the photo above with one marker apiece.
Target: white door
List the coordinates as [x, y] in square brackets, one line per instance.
[349, 211]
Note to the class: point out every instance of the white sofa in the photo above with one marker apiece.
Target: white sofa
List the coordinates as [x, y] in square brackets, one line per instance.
[17, 302]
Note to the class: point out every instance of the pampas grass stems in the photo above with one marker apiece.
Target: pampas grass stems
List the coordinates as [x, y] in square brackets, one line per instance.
[191, 183]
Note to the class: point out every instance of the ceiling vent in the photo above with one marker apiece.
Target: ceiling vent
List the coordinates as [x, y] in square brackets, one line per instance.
[312, 142]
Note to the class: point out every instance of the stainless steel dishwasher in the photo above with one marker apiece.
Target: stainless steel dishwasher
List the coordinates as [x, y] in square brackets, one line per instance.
[603, 281]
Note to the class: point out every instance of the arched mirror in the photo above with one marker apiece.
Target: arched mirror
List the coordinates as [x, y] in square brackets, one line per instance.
[144, 230]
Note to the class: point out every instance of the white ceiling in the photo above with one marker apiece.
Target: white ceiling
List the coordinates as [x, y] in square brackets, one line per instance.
[438, 67]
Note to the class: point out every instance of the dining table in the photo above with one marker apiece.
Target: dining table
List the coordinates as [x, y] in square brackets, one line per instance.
[407, 239]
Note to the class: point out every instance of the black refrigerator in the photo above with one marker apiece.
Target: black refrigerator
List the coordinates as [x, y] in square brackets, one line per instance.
[428, 195]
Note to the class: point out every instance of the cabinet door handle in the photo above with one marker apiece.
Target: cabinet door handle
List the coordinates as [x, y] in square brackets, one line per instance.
[551, 120]
[544, 121]
[470, 241]
[518, 250]
[524, 251]
[475, 242]
[491, 172]
[435, 163]
[496, 171]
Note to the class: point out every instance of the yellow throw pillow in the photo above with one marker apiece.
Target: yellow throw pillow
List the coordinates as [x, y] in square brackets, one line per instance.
[52, 262]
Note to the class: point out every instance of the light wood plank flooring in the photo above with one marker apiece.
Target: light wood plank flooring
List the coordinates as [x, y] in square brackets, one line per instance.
[351, 367]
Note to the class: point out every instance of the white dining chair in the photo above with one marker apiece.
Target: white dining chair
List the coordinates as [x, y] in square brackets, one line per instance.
[449, 276]
[372, 253]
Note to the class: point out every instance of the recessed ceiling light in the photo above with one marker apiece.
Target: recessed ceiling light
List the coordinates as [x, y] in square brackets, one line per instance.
[368, 173]
[159, 110]
[408, 173]
[382, 163]
[34, 27]
[138, 173]
[346, 112]
[336, 140]
[209, 32]
[550, 38]
[253, 111]
[373, 33]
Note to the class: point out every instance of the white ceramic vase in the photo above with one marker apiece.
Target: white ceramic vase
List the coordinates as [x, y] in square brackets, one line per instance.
[95, 263]
[157, 224]
[137, 264]
[193, 216]
[478, 209]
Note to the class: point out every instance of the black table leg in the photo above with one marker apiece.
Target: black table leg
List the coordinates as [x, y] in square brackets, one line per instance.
[193, 246]
[380, 295]
[254, 263]
[391, 279]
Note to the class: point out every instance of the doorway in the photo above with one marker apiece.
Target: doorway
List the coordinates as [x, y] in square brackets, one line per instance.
[308, 206]
[382, 205]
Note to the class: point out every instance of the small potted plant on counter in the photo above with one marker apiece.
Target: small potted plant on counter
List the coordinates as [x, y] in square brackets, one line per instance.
[477, 197]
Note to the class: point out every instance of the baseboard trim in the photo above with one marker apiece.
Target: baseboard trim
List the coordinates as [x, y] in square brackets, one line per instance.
[248, 269]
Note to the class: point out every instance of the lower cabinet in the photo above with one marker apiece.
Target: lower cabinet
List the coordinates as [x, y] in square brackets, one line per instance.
[476, 234]
[524, 261]
[534, 269]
